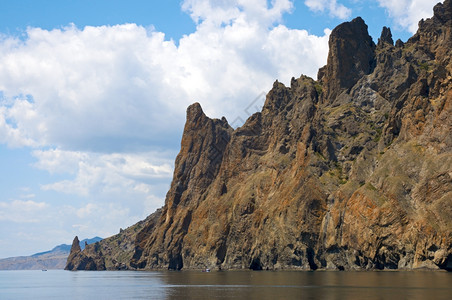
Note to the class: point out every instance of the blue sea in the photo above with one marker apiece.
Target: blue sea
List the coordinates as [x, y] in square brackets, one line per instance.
[56, 284]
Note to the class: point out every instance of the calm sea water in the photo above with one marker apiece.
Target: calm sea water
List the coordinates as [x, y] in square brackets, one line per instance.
[224, 285]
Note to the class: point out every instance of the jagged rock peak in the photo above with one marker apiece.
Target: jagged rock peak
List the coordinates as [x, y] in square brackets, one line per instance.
[195, 115]
[399, 43]
[194, 110]
[443, 11]
[351, 56]
[197, 119]
[75, 246]
[386, 37]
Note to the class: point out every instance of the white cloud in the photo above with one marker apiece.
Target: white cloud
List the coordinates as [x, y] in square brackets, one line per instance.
[333, 8]
[218, 12]
[59, 161]
[103, 219]
[105, 174]
[20, 211]
[89, 87]
[15, 124]
[407, 13]
[224, 12]
[112, 88]
[88, 210]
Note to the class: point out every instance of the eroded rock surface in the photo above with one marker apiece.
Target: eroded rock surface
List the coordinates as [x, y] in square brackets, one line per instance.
[353, 171]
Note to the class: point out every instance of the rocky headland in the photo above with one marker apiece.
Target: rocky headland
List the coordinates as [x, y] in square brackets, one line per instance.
[352, 171]
[54, 259]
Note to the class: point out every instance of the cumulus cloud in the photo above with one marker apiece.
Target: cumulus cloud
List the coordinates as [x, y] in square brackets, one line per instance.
[333, 8]
[407, 13]
[88, 89]
[133, 175]
[15, 121]
[118, 87]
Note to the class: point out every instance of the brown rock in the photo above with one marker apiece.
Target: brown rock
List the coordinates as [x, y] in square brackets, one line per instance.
[353, 171]
[91, 258]
[386, 37]
[351, 56]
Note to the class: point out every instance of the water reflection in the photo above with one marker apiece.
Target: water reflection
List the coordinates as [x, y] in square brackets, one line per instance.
[309, 285]
[224, 285]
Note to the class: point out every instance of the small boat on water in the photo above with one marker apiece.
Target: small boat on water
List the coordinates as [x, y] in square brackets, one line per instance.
[44, 270]
[206, 270]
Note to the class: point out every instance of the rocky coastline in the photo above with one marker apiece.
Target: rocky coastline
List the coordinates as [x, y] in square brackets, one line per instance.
[352, 171]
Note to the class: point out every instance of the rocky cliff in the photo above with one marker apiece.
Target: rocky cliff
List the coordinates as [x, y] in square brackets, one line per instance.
[349, 171]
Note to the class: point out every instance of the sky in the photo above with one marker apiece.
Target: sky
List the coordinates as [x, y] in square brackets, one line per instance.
[93, 95]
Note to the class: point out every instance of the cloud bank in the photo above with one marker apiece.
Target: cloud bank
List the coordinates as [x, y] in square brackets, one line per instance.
[117, 87]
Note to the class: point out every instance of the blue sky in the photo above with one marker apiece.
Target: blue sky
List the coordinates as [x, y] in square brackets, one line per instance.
[165, 16]
[93, 96]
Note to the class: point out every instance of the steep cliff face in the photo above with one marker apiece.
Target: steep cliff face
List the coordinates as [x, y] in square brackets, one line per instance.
[353, 171]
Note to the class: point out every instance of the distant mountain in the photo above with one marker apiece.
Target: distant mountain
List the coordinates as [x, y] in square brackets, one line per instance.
[52, 259]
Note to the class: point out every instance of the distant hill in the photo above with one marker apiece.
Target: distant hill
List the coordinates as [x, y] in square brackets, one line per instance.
[52, 259]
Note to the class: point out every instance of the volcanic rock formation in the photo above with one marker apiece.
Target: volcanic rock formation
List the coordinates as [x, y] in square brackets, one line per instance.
[352, 171]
